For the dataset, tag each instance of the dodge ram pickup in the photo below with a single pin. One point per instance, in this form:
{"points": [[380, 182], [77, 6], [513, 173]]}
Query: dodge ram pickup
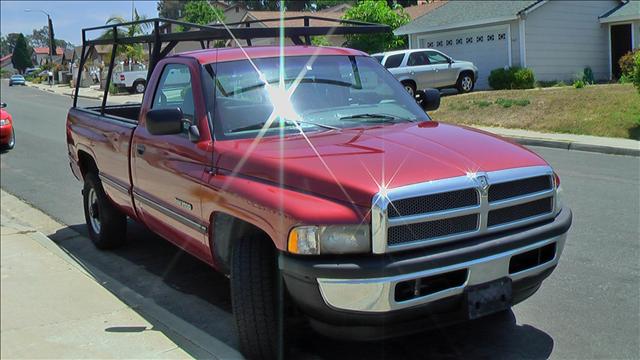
{"points": [[312, 170]]}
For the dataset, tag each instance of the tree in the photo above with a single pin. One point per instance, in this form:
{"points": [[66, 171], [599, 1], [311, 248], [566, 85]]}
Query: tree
{"points": [[171, 9], [21, 58], [201, 12], [8, 43], [132, 52], [377, 11], [39, 37]]}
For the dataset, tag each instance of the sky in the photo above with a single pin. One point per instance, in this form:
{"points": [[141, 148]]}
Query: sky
{"points": [[68, 17]]}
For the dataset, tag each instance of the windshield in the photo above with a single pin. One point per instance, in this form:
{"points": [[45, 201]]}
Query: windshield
{"points": [[319, 93], [17, 77]]}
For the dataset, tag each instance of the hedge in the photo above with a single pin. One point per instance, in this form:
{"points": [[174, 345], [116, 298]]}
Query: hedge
{"points": [[512, 78]]}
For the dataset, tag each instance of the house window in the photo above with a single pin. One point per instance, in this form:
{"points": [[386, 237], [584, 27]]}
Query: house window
{"points": [[502, 36], [491, 37], [449, 42], [439, 43], [430, 44], [469, 40], [479, 38], [458, 41]]}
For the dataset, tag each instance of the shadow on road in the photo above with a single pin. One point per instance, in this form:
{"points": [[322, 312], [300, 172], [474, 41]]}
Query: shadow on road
{"points": [[159, 272]]}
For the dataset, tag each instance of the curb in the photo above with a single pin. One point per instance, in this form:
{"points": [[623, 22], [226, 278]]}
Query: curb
{"points": [[570, 145]]}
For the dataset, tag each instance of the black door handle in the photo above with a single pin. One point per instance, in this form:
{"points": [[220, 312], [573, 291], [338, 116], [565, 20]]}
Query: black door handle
{"points": [[140, 149]]}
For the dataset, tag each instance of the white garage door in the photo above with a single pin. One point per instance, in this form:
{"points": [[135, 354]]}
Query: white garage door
{"points": [[487, 48]]}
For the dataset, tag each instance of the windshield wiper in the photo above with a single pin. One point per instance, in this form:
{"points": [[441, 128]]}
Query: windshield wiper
{"points": [[276, 123], [374, 117]]}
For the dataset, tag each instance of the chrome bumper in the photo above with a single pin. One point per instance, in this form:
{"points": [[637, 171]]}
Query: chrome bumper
{"points": [[376, 295]]}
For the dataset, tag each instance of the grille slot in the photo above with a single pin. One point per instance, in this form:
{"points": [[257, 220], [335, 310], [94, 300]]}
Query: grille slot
{"points": [[434, 202], [520, 212], [432, 229], [516, 188]]}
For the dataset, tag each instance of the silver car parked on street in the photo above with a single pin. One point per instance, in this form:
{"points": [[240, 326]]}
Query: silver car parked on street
{"points": [[419, 69]]}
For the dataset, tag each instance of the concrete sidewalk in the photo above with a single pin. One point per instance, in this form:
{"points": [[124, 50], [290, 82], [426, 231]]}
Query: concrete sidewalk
{"points": [[599, 144], [54, 307], [92, 92]]}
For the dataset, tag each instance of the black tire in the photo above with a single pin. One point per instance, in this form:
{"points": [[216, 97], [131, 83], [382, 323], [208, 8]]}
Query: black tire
{"points": [[254, 297], [139, 86], [12, 141], [410, 87], [465, 82], [112, 224]]}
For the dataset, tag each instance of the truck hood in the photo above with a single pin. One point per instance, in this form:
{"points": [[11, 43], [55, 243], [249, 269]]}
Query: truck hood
{"points": [[353, 164]]}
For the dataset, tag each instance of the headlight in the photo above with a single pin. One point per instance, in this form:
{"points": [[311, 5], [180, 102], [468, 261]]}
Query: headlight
{"points": [[4, 122], [333, 239]]}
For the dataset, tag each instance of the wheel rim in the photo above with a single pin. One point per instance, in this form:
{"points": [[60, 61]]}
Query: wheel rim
{"points": [[140, 88], [467, 83], [94, 211], [409, 89]]}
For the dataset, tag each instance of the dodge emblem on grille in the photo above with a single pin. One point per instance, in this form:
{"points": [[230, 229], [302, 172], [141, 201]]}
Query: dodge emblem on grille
{"points": [[483, 183]]}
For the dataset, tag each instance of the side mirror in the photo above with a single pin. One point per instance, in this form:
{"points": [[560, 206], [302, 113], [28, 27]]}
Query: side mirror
{"points": [[428, 99], [3, 105], [164, 121]]}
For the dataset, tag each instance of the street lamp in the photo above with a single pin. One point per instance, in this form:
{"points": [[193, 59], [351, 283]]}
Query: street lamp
{"points": [[50, 26]]}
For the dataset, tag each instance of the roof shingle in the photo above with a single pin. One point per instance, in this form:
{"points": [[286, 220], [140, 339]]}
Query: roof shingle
{"points": [[453, 13]]}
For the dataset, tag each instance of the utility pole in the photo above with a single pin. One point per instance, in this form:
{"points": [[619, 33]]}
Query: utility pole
{"points": [[52, 47]]}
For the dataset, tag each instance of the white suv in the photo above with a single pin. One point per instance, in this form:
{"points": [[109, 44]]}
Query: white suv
{"points": [[419, 69]]}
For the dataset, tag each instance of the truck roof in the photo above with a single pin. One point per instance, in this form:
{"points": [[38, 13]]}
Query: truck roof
{"points": [[208, 56]]}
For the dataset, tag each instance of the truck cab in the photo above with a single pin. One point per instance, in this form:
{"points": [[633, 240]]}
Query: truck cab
{"points": [[312, 178]]}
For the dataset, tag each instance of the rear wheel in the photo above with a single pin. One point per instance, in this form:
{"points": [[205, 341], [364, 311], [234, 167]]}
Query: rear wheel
{"points": [[410, 87], [139, 86], [106, 224], [465, 82], [253, 297]]}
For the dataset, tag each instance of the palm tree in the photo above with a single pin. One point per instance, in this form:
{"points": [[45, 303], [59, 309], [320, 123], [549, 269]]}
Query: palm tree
{"points": [[132, 52]]}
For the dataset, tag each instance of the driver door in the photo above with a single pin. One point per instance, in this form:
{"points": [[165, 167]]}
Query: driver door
{"points": [[167, 170]]}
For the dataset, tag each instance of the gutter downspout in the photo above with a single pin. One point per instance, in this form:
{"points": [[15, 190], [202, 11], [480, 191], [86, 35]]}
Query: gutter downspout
{"points": [[523, 48]]}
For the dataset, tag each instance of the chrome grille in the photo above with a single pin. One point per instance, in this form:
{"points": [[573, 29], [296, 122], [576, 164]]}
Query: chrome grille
{"points": [[511, 189], [453, 209], [435, 202], [432, 229], [520, 212]]}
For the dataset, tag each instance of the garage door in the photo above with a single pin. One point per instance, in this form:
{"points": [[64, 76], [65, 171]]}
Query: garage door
{"points": [[488, 49]]}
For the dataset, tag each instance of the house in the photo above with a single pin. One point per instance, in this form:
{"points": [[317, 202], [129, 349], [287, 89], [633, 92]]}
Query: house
{"points": [[41, 55], [557, 39], [7, 65]]}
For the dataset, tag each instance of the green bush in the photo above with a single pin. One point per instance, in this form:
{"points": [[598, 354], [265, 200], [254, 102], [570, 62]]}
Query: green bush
{"points": [[511, 78], [587, 76], [625, 79], [579, 84], [635, 74], [626, 62]]}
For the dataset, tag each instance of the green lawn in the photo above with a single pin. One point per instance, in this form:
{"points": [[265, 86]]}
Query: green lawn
{"points": [[601, 110]]}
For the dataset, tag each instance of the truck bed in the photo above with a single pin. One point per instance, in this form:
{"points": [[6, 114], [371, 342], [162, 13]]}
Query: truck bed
{"points": [[129, 112]]}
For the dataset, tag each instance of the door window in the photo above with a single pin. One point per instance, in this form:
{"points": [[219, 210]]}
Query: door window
{"points": [[393, 61], [437, 58], [174, 90], [418, 58]]}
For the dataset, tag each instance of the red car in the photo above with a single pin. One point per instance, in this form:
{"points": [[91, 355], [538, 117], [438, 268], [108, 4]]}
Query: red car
{"points": [[7, 133]]}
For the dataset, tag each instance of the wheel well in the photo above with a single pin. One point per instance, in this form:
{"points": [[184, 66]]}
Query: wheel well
{"points": [[86, 163], [410, 82], [468, 72], [140, 81], [225, 231]]}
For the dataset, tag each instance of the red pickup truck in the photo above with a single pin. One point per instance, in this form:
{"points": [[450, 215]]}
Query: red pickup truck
{"points": [[313, 165]]}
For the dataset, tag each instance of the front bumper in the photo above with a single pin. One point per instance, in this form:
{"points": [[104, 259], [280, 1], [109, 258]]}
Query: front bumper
{"points": [[356, 297]]}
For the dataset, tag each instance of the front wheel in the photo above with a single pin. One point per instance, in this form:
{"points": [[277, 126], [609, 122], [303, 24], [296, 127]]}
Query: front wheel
{"points": [[410, 87], [465, 83], [253, 296], [107, 225]]}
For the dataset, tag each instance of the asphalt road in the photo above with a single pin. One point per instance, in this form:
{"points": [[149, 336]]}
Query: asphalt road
{"points": [[588, 308]]}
